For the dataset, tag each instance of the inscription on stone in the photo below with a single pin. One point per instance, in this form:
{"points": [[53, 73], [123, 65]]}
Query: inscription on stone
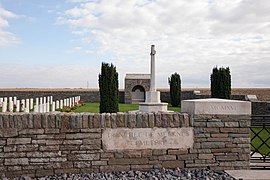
{"points": [[223, 107], [147, 138]]}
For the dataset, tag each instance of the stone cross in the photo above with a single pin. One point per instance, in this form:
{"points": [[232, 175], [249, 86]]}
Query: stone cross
{"points": [[153, 78]]}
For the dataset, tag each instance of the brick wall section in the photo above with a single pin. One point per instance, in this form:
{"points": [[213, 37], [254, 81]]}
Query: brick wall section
{"points": [[38, 144]]}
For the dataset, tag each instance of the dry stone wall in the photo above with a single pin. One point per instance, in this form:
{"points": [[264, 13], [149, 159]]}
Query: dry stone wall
{"points": [[38, 144]]}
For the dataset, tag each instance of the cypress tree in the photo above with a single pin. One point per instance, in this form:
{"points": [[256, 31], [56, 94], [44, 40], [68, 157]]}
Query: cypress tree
{"points": [[108, 89], [175, 89], [221, 83]]}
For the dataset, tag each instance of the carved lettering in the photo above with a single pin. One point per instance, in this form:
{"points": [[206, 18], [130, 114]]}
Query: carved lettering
{"points": [[147, 138]]}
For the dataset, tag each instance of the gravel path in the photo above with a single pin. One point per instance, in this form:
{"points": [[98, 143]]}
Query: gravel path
{"points": [[170, 174]]}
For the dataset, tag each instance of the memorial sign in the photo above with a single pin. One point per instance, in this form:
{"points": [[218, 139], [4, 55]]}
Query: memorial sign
{"points": [[147, 138]]}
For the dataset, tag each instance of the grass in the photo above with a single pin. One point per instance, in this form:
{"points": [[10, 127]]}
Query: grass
{"points": [[94, 108], [257, 142]]}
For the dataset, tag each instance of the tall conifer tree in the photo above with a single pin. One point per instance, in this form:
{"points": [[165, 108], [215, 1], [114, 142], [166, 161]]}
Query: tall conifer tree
{"points": [[108, 89], [175, 89], [221, 83]]}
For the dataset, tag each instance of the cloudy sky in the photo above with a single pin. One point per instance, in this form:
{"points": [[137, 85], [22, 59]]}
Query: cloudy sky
{"points": [[63, 43]]}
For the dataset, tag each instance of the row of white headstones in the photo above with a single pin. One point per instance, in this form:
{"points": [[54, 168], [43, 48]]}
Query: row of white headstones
{"points": [[42, 104]]}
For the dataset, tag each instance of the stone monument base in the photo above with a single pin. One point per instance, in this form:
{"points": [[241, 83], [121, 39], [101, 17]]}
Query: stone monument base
{"points": [[152, 97], [153, 107]]}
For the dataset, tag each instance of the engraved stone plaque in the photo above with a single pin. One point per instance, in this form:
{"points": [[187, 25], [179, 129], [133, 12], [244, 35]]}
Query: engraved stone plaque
{"points": [[216, 106], [147, 138]]}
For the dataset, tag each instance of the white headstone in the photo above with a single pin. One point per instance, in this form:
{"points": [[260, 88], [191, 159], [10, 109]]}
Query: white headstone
{"points": [[47, 107], [73, 101], [15, 100], [26, 109], [31, 103], [6, 99], [44, 100], [10, 106], [68, 102], [51, 99], [57, 105], [4, 106], [27, 104], [61, 104], [216, 106], [36, 108], [251, 98], [65, 102], [41, 108], [18, 106], [37, 101], [23, 105], [10, 99], [53, 106], [41, 100]]}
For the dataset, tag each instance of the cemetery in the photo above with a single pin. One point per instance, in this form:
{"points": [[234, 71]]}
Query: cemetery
{"points": [[210, 135]]}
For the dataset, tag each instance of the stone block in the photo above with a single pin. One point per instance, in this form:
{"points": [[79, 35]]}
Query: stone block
{"points": [[83, 136], [27, 148], [165, 119], [173, 164], [176, 120], [178, 151], [231, 124], [167, 157], [131, 123], [8, 132], [108, 120], [54, 142], [16, 161], [126, 161], [31, 131], [145, 122], [216, 106], [158, 121], [151, 120], [146, 153], [83, 157], [85, 120], [73, 142], [52, 131], [83, 164], [113, 120], [206, 156], [139, 120], [132, 154], [99, 163], [120, 119], [214, 124], [49, 148], [18, 141], [213, 145]]}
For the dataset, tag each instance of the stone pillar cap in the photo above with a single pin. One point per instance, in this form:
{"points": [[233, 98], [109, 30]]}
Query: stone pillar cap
{"points": [[216, 106]]}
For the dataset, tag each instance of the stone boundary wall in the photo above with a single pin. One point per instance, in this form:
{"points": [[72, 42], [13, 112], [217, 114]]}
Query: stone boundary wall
{"points": [[39, 144], [260, 107], [93, 95]]}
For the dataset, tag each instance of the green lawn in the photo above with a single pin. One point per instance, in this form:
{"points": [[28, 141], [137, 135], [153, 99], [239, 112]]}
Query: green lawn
{"points": [[94, 107], [257, 141]]}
